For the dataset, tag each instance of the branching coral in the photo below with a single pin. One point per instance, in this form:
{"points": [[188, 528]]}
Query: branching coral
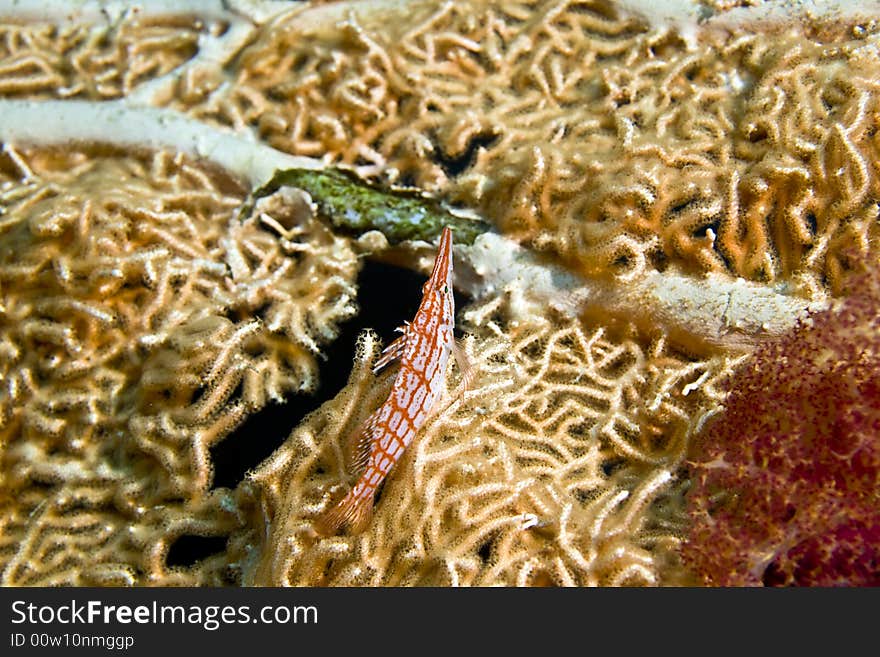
{"points": [[577, 127], [92, 61], [147, 309], [140, 323], [542, 473], [100, 49]]}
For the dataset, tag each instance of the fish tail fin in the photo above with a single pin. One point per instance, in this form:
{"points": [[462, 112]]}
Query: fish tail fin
{"points": [[351, 511]]}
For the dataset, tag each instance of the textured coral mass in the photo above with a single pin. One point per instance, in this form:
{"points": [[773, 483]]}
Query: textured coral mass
{"points": [[787, 478], [88, 61], [549, 471], [662, 194], [584, 129], [129, 345]]}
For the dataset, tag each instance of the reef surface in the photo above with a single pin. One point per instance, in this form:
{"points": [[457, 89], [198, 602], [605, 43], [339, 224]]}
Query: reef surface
{"points": [[650, 191]]}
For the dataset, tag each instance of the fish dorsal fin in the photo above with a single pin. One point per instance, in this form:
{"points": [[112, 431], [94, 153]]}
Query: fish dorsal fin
{"points": [[394, 350], [360, 444]]}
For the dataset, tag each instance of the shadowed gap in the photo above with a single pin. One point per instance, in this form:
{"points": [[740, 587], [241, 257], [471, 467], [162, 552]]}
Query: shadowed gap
{"points": [[387, 296], [187, 550], [456, 165]]}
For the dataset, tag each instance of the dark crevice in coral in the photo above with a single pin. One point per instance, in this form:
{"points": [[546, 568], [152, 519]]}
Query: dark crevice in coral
{"points": [[773, 576], [678, 208], [197, 394], [719, 250], [756, 134], [583, 496], [813, 223], [703, 231], [387, 296], [455, 165], [407, 180], [612, 465], [484, 552], [621, 262], [659, 260], [188, 550]]}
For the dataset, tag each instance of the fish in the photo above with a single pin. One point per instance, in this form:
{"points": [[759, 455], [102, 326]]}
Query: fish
{"points": [[423, 351]]}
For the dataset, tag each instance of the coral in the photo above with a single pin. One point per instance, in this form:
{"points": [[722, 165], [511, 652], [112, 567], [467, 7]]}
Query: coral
{"points": [[542, 473], [103, 49], [92, 61], [713, 310], [670, 184], [581, 128], [786, 479], [141, 322], [125, 125]]}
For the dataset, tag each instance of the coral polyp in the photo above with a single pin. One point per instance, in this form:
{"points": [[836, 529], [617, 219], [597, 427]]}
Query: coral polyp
{"points": [[787, 478]]}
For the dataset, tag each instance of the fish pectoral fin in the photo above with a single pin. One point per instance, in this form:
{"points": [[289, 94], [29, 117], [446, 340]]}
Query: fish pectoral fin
{"points": [[360, 444], [351, 511], [468, 372], [393, 351], [360, 516]]}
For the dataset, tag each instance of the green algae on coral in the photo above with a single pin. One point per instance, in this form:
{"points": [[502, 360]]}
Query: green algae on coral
{"points": [[355, 206]]}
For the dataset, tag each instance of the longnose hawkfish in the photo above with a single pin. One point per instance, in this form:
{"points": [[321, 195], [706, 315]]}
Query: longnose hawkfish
{"points": [[423, 351]]}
